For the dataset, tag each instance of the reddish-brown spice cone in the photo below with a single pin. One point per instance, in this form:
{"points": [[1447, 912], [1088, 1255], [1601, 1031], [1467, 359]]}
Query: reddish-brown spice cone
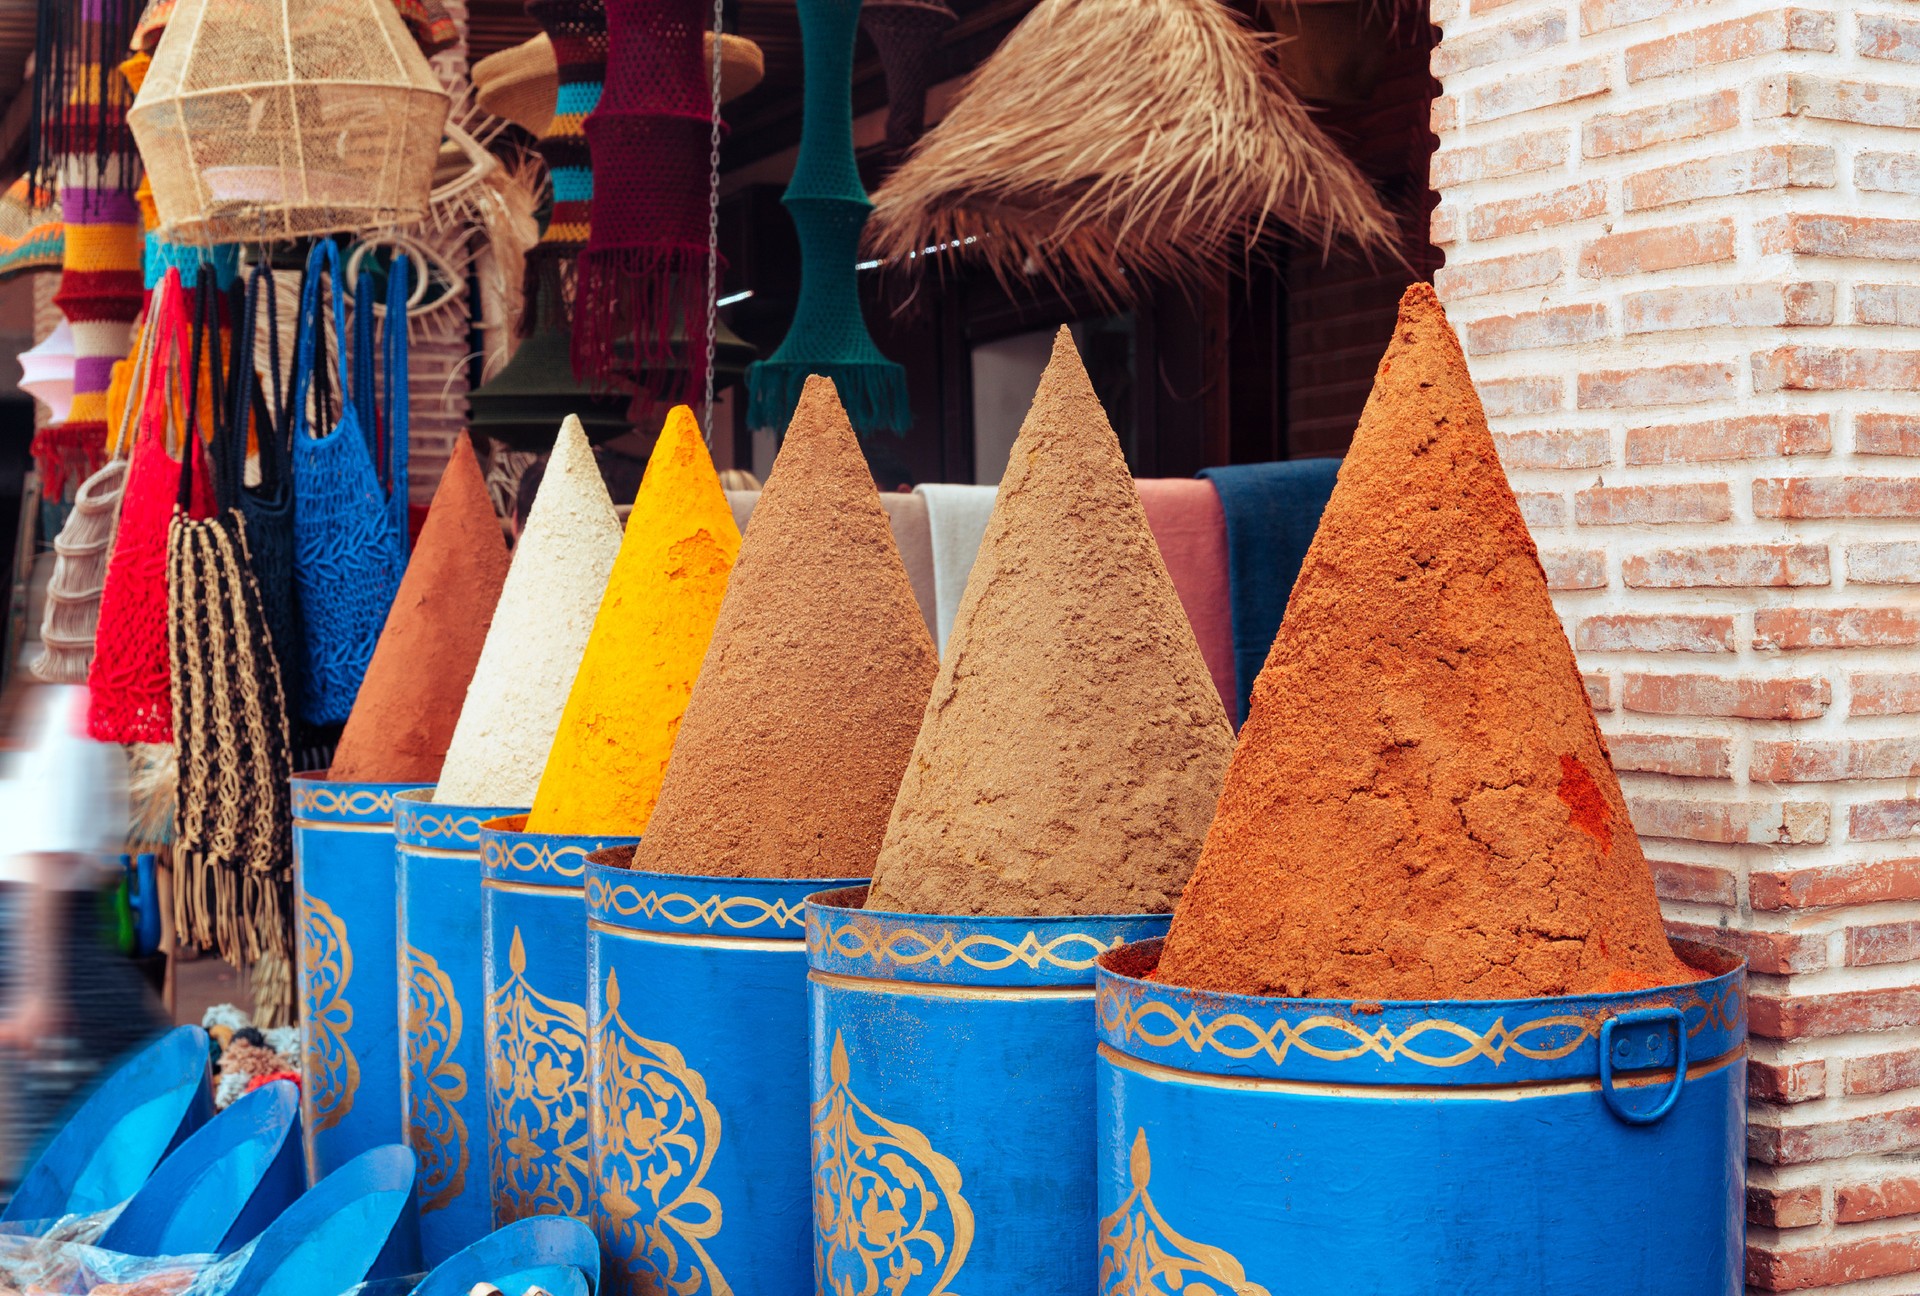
{"points": [[404, 715], [1420, 805], [812, 690]]}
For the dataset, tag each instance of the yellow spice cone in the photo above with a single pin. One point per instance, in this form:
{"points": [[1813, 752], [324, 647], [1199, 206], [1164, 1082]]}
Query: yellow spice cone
{"points": [[610, 754]]}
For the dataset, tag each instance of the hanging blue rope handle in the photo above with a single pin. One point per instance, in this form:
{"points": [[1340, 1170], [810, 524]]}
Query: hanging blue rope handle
{"points": [[395, 408], [325, 257]]}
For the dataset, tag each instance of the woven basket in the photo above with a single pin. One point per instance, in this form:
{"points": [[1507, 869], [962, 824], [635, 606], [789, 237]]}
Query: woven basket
{"points": [[287, 118]]}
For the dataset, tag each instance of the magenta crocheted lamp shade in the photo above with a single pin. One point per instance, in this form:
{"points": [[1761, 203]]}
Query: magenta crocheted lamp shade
{"points": [[645, 267]]}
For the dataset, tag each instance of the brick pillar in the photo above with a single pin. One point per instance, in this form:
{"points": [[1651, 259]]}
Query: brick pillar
{"points": [[1683, 254]]}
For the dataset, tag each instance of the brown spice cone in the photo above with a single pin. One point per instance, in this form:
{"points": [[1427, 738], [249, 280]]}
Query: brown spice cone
{"points": [[1074, 743], [404, 715], [800, 724], [1421, 805]]}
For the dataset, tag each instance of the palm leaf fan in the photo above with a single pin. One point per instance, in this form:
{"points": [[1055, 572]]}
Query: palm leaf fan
{"points": [[1110, 142]]}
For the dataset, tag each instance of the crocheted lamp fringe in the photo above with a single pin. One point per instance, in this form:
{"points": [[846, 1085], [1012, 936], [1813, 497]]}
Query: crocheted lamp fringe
{"points": [[874, 393], [650, 294]]}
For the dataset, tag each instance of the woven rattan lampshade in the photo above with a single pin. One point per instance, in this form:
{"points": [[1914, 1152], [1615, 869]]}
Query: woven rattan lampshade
{"points": [[287, 118]]}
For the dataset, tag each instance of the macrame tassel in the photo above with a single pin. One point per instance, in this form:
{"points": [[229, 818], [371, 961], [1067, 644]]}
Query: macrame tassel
{"points": [[80, 101], [875, 395], [646, 296]]}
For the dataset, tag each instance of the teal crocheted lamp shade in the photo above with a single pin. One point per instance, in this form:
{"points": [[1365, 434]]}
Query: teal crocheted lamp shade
{"points": [[829, 208]]}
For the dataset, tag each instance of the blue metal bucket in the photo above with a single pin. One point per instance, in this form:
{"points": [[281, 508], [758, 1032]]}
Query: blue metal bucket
{"points": [[953, 1083], [353, 1053], [1270, 1146], [439, 852], [699, 1012], [535, 982]]}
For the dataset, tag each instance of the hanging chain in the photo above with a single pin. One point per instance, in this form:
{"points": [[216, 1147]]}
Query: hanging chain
{"points": [[713, 219]]}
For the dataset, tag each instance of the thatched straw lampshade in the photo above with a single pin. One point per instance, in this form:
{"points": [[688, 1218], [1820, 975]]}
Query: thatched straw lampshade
{"points": [[287, 118], [1111, 142]]}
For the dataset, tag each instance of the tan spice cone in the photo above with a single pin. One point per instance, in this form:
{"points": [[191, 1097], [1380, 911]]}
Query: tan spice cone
{"points": [[805, 712], [1421, 805], [1074, 742], [408, 704]]}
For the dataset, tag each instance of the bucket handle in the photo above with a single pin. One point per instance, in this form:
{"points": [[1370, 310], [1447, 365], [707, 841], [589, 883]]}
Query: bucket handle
{"points": [[1612, 1095]]}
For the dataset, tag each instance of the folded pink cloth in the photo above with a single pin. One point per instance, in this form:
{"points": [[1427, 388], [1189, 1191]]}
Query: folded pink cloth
{"points": [[1187, 522]]}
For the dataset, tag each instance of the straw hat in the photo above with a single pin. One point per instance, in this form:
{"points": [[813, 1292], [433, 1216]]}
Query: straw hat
{"points": [[521, 82]]}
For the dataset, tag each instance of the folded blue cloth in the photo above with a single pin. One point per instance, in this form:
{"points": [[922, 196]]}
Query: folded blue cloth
{"points": [[1272, 512]]}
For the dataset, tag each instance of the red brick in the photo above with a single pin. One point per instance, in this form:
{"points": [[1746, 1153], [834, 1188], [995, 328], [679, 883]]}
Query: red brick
{"points": [[1885, 693], [1884, 820], [1573, 448], [1886, 434], [1894, 942], [1599, 15], [1824, 368], [1798, 1017], [1635, 505], [1758, 823], [1728, 42], [1896, 304], [1631, 633], [1681, 384], [1879, 1199], [1794, 305], [1443, 13], [1874, 1255], [1498, 274], [1831, 885], [1776, 166], [1758, 436], [1523, 92], [1675, 754], [1729, 567], [1599, 690], [1787, 1084], [1574, 569], [1884, 562], [1695, 884], [1793, 628], [1771, 953], [1512, 40], [1682, 119], [1537, 211], [1516, 155], [1444, 114], [1884, 36], [1502, 397], [1555, 326], [1744, 697], [1837, 497], [1542, 509], [1649, 251], [1886, 172], [1833, 760], [1865, 103], [1882, 1072], [1876, 1132], [1866, 238], [1781, 1207]]}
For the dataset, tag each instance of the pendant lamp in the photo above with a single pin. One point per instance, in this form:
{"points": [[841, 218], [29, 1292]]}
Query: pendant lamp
{"points": [[519, 83], [522, 405], [906, 33], [288, 118], [31, 234], [829, 207], [46, 372], [1108, 143]]}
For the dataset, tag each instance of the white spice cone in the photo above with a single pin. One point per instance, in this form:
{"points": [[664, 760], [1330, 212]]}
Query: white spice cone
{"points": [[540, 628]]}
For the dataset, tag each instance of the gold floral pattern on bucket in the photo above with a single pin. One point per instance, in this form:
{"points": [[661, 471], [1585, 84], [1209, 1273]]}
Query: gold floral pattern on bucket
{"points": [[1141, 1255], [739, 912], [656, 1133], [906, 947], [326, 959], [435, 1082], [888, 1214], [537, 1099]]}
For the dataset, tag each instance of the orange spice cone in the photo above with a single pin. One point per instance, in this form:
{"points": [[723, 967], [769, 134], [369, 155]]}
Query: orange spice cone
{"points": [[604, 771], [806, 709], [408, 704], [1074, 744], [1421, 805]]}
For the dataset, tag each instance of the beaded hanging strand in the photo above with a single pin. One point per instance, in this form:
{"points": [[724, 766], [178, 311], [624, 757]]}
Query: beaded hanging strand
{"points": [[713, 224]]}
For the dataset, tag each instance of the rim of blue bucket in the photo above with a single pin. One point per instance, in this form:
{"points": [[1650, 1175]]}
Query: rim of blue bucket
{"points": [[844, 939], [538, 1242], [1478, 1042], [421, 824], [318, 799], [509, 853], [741, 907]]}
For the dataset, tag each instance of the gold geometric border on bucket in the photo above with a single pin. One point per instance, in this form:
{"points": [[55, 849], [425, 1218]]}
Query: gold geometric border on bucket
{"points": [[737, 912], [905, 947], [499, 856], [878, 1191], [1142, 1255], [342, 803]]}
